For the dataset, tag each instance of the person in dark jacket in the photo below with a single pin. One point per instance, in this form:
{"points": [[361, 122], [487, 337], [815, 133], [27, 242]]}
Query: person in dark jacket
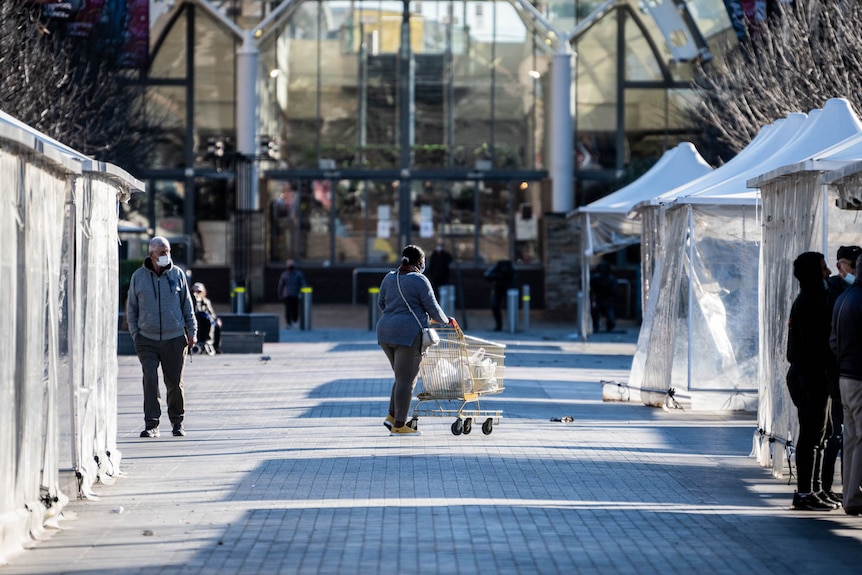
{"points": [[811, 363], [163, 326], [502, 277], [846, 274], [290, 283], [603, 296], [438, 267], [846, 342]]}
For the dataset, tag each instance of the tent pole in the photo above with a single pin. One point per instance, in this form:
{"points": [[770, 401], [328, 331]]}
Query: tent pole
{"points": [[690, 292]]}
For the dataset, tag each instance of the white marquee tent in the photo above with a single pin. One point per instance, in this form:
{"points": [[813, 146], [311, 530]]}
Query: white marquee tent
{"points": [[699, 334], [609, 223], [800, 214]]}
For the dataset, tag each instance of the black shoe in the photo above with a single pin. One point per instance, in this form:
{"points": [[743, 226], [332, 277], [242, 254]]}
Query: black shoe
{"points": [[821, 495], [853, 511], [151, 432], [831, 496], [179, 430], [810, 503]]}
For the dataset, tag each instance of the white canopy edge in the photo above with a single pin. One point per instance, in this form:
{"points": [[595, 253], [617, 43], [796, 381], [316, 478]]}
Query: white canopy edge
{"points": [[823, 146], [676, 167]]}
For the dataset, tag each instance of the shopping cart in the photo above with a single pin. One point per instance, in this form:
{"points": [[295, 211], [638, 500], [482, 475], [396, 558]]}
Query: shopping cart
{"points": [[461, 369]]}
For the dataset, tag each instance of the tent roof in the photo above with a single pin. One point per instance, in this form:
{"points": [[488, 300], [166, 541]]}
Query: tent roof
{"points": [[769, 138], [676, 167], [836, 134]]}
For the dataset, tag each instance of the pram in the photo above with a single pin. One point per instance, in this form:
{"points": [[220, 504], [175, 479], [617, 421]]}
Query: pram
{"points": [[460, 368]]}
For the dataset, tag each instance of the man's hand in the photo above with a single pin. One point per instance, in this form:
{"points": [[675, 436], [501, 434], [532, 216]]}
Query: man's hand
{"points": [[192, 341], [453, 322]]}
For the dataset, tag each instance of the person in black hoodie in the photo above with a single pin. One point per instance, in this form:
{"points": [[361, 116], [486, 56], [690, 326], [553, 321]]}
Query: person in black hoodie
{"points": [[811, 364], [846, 342]]}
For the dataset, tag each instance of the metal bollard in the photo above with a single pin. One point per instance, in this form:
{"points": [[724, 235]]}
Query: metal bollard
{"points": [[237, 297], [512, 309], [525, 303], [305, 320], [447, 299], [373, 308]]}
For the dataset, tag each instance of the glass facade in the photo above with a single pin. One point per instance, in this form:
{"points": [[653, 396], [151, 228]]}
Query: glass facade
{"points": [[364, 144]]}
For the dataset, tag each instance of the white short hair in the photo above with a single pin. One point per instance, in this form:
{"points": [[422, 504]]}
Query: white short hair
{"points": [[158, 242]]}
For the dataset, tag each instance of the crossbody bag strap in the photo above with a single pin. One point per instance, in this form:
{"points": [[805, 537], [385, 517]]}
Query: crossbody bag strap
{"points": [[398, 283]]}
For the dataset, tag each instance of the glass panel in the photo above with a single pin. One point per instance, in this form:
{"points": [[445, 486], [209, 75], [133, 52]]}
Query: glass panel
{"points": [[460, 231], [596, 97], [495, 201], [350, 221], [283, 221], [170, 61], [214, 202], [640, 62], [166, 108], [382, 198], [527, 208], [214, 80]]}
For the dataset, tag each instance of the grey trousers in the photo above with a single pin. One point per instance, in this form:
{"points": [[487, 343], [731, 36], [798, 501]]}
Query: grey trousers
{"points": [[405, 365], [851, 395], [171, 354]]}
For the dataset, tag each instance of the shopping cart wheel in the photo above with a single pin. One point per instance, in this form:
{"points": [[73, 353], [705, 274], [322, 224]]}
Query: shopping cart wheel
{"points": [[468, 425], [413, 423], [488, 426], [458, 427]]}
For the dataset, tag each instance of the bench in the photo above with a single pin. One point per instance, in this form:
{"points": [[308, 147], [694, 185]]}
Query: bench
{"points": [[265, 323]]}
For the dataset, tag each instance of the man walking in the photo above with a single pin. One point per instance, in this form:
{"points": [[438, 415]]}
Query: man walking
{"points": [[163, 326]]}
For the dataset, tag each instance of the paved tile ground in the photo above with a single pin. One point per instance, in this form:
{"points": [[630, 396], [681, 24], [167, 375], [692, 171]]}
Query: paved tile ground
{"points": [[287, 469]]}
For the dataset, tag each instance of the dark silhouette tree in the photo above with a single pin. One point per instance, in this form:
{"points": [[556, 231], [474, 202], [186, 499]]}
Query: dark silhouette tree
{"points": [[74, 90], [810, 51]]}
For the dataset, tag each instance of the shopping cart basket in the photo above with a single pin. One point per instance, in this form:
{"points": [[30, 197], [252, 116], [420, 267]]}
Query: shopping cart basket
{"points": [[461, 369]]}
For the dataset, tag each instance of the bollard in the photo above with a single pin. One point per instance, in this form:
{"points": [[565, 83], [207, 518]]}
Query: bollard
{"points": [[373, 308], [512, 309], [525, 303], [447, 299], [237, 297], [305, 320]]}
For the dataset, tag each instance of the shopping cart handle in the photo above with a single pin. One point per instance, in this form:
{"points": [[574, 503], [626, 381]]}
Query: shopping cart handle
{"points": [[453, 322]]}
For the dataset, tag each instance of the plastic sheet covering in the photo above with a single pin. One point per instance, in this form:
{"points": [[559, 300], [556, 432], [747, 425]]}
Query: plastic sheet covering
{"points": [[699, 335], [799, 215], [58, 371], [13, 516], [96, 388]]}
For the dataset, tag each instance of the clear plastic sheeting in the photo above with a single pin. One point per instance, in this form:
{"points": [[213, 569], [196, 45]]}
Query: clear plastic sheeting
{"points": [[610, 222], [699, 334], [799, 215], [58, 276]]}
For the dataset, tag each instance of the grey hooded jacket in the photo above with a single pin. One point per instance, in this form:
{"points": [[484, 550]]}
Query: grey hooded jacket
{"points": [[160, 306]]}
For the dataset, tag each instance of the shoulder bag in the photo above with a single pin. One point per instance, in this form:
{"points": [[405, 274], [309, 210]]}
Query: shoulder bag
{"points": [[429, 334]]}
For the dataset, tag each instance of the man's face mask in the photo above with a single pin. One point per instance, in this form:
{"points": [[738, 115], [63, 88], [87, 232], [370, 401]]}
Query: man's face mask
{"points": [[164, 261], [850, 278]]}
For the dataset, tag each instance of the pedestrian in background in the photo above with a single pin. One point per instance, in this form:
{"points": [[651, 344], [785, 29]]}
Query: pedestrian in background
{"points": [[407, 303], [290, 285], [603, 296], [438, 267], [162, 324], [811, 363], [209, 324], [846, 341], [502, 278]]}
